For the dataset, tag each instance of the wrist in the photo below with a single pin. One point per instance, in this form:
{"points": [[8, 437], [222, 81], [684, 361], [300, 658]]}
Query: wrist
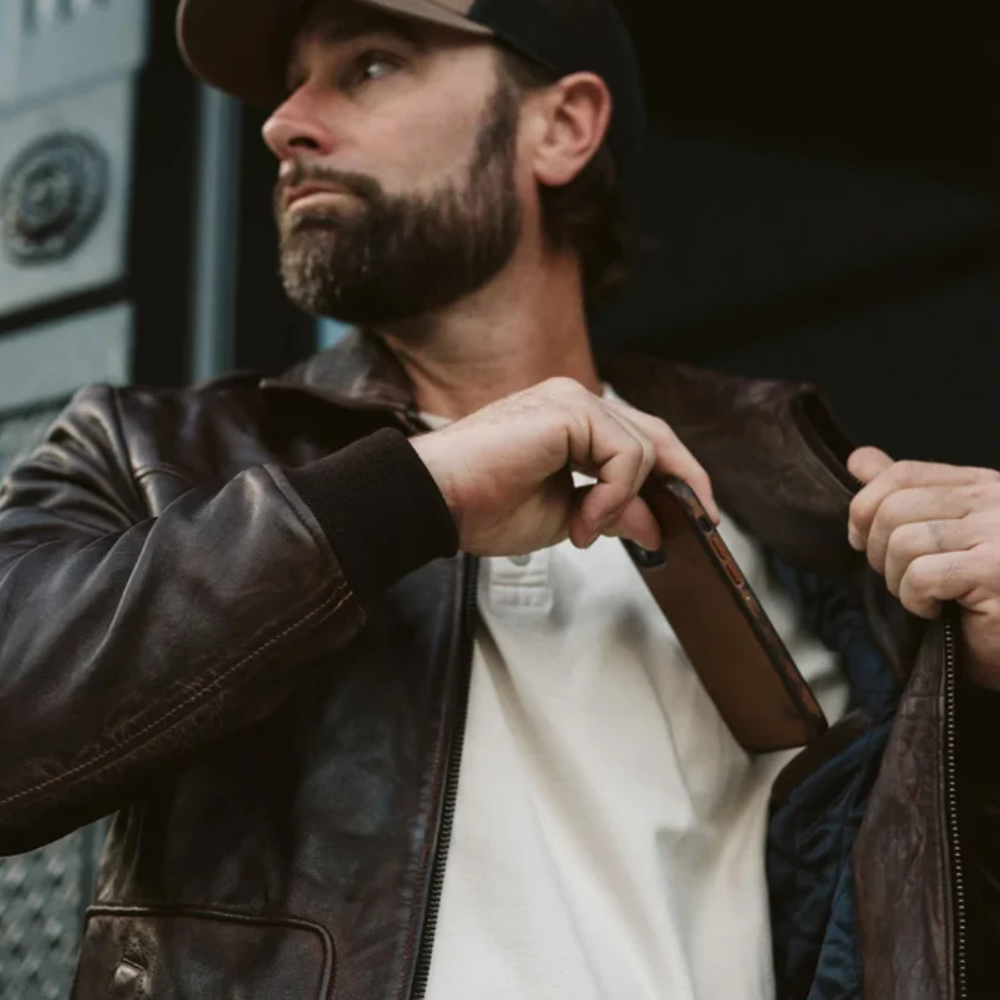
{"points": [[430, 452], [378, 507]]}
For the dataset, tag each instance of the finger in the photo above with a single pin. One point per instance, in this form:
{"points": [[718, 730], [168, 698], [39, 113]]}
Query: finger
{"points": [[927, 504], [672, 455], [617, 455], [914, 541], [649, 448], [907, 475], [866, 463], [638, 524], [946, 576]]}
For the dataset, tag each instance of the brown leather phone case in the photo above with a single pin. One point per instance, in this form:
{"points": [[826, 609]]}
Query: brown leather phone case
{"points": [[722, 627]]}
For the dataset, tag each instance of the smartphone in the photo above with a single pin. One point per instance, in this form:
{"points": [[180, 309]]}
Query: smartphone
{"points": [[722, 627]]}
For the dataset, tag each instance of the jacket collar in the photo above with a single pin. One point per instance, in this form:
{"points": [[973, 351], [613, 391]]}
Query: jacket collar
{"points": [[359, 373], [773, 450]]}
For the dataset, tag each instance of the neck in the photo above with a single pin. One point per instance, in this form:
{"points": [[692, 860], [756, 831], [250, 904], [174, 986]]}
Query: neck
{"points": [[528, 325]]}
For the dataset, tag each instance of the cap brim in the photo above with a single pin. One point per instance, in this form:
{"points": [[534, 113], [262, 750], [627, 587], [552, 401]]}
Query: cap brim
{"points": [[241, 46]]}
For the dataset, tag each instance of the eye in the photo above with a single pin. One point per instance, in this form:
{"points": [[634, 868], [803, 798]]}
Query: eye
{"points": [[370, 67]]}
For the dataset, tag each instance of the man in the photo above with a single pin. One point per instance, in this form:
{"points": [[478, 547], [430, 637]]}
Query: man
{"points": [[346, 761]]}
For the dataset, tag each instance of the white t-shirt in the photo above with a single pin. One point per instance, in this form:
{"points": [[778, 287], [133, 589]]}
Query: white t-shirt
{"points": [[608, 842]]}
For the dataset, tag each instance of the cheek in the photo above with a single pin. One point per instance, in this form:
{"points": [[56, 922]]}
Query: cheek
{"points": [[419, 150]]}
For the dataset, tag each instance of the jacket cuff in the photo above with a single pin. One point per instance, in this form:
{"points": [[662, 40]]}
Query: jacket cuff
{"points": [[380, 508]]}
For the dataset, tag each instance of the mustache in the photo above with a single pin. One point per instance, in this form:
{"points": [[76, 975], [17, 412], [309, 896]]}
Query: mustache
{"points": [[357, 184]]}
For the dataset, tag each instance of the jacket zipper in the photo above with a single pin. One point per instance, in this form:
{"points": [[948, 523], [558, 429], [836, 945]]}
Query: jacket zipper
{"points": [[423, 968], [951, 791], [950, 615]]}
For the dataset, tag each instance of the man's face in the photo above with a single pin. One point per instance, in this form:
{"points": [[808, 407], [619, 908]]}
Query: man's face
{"points": [[408, 140]]}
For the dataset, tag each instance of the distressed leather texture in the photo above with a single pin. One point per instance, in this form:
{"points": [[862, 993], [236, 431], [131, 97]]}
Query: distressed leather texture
{"points": [[180, 647], [905, 831]]}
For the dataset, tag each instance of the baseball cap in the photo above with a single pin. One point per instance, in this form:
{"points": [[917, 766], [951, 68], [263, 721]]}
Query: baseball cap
{"points": [[241, 46]]}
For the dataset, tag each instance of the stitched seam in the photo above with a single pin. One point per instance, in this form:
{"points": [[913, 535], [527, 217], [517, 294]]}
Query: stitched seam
{"points": [[195, 697], [229, 916]]}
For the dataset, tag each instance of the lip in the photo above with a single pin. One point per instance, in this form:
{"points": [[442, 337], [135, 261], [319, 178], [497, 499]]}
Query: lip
{"points": [[308, 191]]}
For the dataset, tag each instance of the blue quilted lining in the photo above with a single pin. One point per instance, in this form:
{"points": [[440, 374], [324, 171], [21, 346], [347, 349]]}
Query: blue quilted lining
{"points": [[813, 830]]}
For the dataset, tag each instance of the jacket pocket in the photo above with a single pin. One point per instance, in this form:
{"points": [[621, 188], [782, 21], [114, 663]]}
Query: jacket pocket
{"points": [[139, 953]]}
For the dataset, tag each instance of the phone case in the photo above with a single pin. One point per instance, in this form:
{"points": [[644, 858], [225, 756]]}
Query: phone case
{"points": [[722, 627]]}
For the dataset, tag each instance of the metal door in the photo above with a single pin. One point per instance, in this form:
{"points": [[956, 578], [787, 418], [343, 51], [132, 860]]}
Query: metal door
{"points": [[67, 100]]}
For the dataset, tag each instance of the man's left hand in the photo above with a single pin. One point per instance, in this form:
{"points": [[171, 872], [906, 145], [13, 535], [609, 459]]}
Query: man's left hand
{"points": [[933, 532]]}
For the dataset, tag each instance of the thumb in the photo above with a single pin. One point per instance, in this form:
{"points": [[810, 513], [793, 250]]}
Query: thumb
{"points": [[638, 524], [867, 463]]}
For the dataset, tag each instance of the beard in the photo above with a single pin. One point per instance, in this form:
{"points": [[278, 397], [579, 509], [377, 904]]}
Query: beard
{"points": [[383, 259]]}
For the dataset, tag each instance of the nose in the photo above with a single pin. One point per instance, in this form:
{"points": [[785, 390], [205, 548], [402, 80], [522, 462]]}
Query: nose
{"points": [[295, 127]]}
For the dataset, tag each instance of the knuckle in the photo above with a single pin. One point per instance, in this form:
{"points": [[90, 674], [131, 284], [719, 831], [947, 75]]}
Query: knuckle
{"points": [[902, 543], [915, 583], [907, 471], [921, 577], [860, 508], [561, 385], [975, 494], [982, 567], [662, 428], [892, 510], [984, 494]]}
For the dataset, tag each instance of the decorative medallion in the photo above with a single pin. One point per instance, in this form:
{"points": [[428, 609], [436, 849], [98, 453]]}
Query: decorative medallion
{"points": [[51, 197]]}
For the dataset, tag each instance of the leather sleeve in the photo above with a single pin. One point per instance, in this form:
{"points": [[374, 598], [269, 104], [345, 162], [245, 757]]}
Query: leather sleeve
{"points": [[128, 641], [979, 829]]}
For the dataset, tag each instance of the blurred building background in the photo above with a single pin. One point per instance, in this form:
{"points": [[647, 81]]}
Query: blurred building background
{"points": [[819, 198]]}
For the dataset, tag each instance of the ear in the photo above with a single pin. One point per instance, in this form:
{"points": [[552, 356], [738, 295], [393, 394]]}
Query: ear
{"points": [[576, 115]]}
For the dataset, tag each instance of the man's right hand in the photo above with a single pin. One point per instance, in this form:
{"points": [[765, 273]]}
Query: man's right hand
{"points": [[506, 470]]}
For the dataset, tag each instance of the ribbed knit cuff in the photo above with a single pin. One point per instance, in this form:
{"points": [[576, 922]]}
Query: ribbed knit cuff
{"points": [[380, 508]]}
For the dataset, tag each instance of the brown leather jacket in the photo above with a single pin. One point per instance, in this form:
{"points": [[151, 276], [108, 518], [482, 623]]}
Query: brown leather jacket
{"points": [[181, 644]]}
